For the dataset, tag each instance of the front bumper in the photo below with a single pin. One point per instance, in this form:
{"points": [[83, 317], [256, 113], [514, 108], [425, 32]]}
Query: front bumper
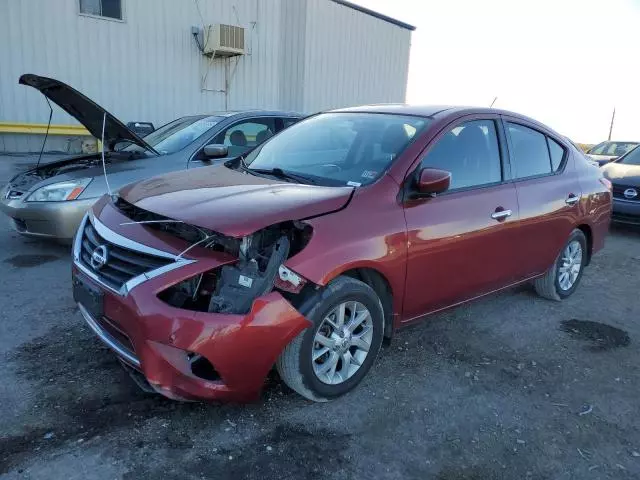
{"points": [[57, 220], [626, 211], [158, 340]]}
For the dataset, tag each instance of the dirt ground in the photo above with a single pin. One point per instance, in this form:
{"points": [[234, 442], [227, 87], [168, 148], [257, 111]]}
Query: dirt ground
{"points": [[511, 386]]}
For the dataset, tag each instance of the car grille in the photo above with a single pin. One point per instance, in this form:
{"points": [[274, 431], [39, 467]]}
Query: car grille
{"points": [[618, 192], [121, 264]]}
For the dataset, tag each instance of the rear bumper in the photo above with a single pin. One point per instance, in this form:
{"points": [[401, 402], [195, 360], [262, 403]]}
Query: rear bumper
{"points": [[57, 220], [626, 211], [159, 340]]}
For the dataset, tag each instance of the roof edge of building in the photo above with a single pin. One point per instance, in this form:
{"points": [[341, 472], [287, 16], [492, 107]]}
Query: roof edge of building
{"points": [[375, 14]]}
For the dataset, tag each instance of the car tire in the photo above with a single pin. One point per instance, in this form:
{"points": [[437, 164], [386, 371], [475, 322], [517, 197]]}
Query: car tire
{"points": [[303, 372], [554, 285]]}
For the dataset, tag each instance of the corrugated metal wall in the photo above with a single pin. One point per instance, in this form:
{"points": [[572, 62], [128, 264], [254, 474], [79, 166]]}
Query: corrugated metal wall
{"points": [[302, 55], [352, 58]]}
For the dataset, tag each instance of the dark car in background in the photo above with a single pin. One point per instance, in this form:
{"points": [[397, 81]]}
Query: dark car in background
{"points": [[624, 174], [50, 200], [608, 151], [325, 239]]}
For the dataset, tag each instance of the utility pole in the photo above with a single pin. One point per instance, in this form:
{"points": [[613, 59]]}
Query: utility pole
{"points": [[613, 116]]}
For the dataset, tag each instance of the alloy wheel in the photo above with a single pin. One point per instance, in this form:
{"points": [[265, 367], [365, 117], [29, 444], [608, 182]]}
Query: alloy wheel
{"points": [[570, 265], [342, 342]]}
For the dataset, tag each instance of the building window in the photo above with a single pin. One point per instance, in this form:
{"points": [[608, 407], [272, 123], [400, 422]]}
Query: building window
{"points": [[102, 8]]}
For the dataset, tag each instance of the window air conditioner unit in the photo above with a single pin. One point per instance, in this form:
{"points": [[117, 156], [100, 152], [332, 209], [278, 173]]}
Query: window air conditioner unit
{"points": [[224, 40]]}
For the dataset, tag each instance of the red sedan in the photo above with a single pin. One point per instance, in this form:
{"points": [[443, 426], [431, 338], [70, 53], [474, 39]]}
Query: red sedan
{"points": [[330, 236]]}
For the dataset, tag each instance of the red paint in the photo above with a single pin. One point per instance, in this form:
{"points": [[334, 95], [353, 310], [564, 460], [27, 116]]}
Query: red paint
{"points": [[433, 252]]}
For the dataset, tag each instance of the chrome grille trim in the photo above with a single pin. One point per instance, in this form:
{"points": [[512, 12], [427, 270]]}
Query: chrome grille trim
{"points": [[123, 242]]}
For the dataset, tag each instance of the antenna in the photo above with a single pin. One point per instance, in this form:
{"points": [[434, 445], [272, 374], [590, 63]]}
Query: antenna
{"points": [[104, 165], [46, 133], [613, 116], [494, 101]]}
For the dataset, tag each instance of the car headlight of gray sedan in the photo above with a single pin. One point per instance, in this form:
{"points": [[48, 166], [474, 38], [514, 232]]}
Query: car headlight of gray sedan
{"points": [[60, 192]]}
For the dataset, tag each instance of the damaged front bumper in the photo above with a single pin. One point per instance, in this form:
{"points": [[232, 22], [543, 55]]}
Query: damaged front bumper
{"points": [[187, 354]]}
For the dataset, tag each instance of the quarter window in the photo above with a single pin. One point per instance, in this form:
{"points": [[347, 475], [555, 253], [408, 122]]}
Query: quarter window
{"points": [[557, 153], [530, 153], [102, 8], [470, 152]]}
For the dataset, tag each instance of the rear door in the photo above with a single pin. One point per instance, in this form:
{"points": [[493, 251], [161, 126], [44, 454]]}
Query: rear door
{"points": [[548, 194], [461, 242]]}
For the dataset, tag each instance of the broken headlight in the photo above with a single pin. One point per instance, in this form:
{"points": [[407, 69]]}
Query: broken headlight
{"points": [[260, 269]]}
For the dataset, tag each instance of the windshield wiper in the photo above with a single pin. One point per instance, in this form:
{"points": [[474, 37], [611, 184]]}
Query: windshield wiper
{"points": [[280, 173]]}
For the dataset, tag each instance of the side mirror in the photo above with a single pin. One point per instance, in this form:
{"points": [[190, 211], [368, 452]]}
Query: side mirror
{"points": [[432, 181], [216, 151]]}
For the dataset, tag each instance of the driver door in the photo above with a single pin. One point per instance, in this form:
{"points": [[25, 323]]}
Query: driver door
{"points": [[462, 242]]}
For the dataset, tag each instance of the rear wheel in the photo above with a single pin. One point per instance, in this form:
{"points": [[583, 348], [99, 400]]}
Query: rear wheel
{"points": [[333, 356], [562, 279]]}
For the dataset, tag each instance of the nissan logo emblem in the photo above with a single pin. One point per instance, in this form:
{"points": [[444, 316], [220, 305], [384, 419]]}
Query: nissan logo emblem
{"points": [[630, 193], [99, 257]]}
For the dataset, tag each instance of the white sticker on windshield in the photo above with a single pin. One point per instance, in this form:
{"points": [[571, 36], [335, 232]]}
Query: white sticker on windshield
{"points": [[354, 184]]}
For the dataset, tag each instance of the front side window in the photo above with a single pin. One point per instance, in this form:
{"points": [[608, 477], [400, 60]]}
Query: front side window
{"points": [[339, 148], [470, 153], [289, 121], [530, 154], [243, 136], [176, 135], [102, 8]]}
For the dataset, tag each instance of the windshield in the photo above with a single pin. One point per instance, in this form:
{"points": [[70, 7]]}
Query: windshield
{"points": [[339, 148], [632, 158], [616, 149], [178, 134]]}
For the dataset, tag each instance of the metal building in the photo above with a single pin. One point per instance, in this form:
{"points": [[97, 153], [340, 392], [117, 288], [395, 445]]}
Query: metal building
{"points": [[156, 60]]}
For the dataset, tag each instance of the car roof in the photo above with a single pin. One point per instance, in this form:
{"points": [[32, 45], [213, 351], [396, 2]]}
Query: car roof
{"points": [[431, 111], [248, 113]]}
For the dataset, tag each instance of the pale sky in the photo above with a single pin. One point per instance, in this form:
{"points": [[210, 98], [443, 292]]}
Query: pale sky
{"points": [[566, 63]]}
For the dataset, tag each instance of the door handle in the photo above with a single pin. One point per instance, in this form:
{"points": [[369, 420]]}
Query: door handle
{"points": [[572, 199], [501, 214]]}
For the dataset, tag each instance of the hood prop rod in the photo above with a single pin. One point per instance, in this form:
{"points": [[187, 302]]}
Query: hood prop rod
{"points": [[104, 164], [46, 134]]}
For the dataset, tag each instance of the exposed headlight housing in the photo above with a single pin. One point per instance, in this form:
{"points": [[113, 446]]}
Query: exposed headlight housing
{"points": [[60, 192]]}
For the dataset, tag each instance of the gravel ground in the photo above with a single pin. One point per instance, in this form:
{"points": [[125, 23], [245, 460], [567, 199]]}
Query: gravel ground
{"points": [[511, 386]]}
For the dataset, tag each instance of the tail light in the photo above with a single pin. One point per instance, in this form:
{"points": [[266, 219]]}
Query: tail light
{"points": [[607, 183]]}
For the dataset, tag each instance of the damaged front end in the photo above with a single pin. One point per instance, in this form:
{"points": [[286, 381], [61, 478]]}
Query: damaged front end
{"points": [[232, 288]]}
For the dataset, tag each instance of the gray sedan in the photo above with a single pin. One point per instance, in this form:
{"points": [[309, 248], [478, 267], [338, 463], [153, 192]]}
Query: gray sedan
{"points": [[50, 201]]}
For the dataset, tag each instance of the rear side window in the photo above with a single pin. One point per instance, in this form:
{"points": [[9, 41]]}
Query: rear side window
{"points": [[530, 154], [470, 153], [557, 153]]}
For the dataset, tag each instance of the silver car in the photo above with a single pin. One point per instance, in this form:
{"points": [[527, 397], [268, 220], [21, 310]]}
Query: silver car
{"points": [[50, 201]]}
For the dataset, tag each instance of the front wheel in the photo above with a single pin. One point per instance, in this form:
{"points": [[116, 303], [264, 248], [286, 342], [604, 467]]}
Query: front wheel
{"points": [[562, 279], [333, 356]]}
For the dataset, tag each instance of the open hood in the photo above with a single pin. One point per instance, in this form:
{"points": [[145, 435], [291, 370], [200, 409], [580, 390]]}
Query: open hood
{"points": [[230, 202], [83, 109]]}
